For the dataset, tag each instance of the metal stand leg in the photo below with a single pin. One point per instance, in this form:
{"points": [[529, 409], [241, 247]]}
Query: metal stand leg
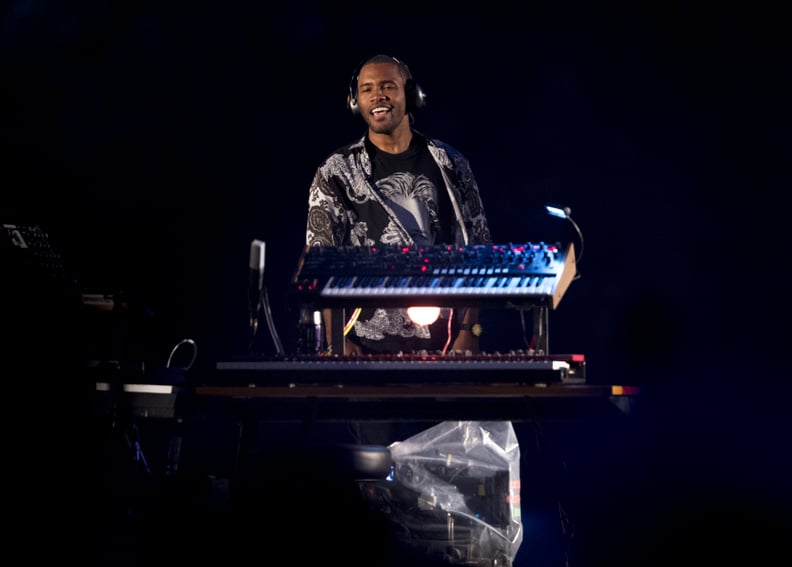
{"points": [[541, 321], [337, 331]]}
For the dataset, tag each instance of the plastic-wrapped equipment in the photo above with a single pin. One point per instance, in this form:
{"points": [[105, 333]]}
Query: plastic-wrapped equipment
{"points": [[454, 493]]}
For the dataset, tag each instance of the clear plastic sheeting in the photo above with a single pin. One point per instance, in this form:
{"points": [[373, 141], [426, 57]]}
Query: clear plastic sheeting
{"points": [[454, 493]]}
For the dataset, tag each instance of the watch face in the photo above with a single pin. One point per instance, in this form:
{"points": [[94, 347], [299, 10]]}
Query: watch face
{"points": [[476, 329]]}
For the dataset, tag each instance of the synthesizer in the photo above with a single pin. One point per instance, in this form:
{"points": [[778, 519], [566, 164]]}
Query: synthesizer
{"points": [[531, 274], [417, 368]]}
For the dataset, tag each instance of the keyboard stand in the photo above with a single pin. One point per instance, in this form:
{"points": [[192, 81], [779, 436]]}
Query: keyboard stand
{"points": [[540, 340], [338, 341], [541, 322]]}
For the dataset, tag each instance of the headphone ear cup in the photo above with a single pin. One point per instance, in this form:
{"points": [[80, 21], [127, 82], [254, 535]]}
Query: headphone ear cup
{"points": [[352, 103], [414, 95]]}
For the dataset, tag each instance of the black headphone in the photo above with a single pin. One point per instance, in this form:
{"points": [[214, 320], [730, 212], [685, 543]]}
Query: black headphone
{"points": [[413, 92]]}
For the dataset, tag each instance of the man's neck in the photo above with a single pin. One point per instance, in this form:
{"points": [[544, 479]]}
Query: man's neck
{"points": [[396, 142]]}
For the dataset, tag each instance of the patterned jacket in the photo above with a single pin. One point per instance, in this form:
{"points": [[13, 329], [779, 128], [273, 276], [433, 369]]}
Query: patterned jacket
{"points": [[345, 209]]}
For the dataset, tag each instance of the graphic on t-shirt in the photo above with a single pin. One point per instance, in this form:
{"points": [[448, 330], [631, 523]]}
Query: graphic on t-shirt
{"points": [[413, 200]]}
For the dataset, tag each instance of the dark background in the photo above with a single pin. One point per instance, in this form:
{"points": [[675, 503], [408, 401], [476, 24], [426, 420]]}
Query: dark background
{"points": [[153, 141]]}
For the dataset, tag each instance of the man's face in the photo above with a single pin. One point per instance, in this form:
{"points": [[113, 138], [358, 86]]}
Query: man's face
{"points": [[381, 96]]}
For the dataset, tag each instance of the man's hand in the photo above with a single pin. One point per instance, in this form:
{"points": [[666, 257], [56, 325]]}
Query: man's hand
{"points": [[352, 349], [466, 341]]}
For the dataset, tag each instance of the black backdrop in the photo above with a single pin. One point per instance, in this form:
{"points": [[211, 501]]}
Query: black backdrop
{"points": [[154, 141]]}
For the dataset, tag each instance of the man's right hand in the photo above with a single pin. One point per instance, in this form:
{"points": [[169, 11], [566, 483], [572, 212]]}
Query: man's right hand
{"points": [[352, 349]]}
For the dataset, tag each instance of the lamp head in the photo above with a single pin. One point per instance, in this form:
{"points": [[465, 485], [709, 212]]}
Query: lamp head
{"points": [[566, 213], [560, 212]]}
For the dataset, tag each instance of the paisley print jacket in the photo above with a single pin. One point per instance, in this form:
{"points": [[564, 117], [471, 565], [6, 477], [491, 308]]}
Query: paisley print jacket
{"points": [[345, 208]]}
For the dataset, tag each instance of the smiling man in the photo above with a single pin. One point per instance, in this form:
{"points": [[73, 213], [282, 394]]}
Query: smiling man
{"points": [[396, 186]]}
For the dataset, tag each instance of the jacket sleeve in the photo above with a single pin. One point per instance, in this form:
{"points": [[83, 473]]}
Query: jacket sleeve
{"points": [[326, 219], [473, 208]]}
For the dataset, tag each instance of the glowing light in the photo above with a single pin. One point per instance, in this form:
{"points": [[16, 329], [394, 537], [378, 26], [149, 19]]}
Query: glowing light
{"points": [[560, 212], [624, 390], [423, 315]]}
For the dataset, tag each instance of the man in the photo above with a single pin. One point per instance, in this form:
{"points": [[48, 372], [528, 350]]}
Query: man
{"points": [[395, 186], [392, 186]]}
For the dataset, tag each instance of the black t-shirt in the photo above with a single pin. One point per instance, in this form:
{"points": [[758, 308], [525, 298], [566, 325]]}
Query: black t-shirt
{"points": [[413, 186]]}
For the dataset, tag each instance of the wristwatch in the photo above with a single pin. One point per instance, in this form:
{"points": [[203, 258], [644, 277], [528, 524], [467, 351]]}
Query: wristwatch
{"points": [[474, 328]]}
